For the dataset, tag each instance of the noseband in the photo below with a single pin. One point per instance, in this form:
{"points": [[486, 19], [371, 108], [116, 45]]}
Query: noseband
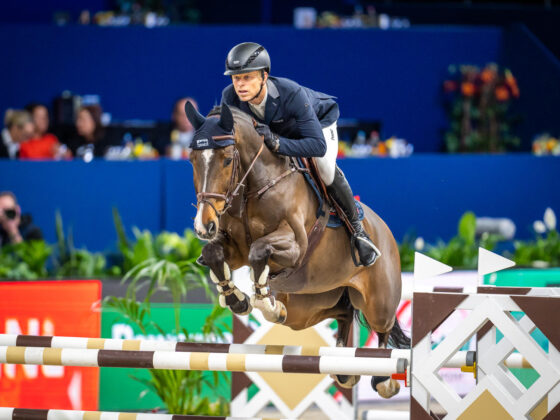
{"points": [[233, 188]]}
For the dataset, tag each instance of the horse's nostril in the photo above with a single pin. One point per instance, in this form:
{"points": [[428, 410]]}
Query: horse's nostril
{"points": [[211, 228]]}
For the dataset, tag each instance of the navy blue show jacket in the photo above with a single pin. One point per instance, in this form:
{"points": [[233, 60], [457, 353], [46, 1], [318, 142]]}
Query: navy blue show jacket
{"points": [[295, 113]]}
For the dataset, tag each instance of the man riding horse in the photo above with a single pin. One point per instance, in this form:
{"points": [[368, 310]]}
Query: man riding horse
{"points": [[294, 121], [255, 209]]}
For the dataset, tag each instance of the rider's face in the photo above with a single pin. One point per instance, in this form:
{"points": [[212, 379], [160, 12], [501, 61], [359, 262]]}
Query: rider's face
{"points": [[247, 85]]}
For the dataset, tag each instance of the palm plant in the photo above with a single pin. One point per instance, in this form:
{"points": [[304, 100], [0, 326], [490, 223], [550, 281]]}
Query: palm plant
{"points": [[168, 263]]}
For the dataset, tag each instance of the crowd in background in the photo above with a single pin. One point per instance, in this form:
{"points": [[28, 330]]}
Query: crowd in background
{"points": [[28, 134]]}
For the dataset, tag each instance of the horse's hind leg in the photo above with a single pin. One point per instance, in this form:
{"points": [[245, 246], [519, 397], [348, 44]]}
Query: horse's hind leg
{"points": [[220, 273], [380, 316], [344, 321], [384, 385]]}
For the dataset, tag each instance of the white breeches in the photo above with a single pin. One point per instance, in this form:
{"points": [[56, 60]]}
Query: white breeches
{"points": [[327, 163]]}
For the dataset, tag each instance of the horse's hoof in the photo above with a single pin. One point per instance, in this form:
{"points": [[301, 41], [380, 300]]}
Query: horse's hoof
{"points": [[273, 310], [200, 261], [241, 307], [282, 313], [346, 381], [385, 386]]}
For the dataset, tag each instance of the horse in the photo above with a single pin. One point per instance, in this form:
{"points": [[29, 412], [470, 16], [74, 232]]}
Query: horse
{"points": [[255, 209]]}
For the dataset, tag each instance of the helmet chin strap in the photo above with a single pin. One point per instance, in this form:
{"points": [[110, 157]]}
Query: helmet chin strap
{"points": [[260, 90]]}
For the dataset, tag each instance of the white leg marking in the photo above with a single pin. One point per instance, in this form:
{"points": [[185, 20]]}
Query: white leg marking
{"points": [[263, 279]]}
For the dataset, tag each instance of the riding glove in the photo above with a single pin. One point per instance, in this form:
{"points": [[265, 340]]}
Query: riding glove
{"points": [[270, 139]]}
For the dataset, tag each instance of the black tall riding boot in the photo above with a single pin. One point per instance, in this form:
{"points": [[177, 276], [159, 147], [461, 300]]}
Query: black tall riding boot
{"points": [[341, 192]]}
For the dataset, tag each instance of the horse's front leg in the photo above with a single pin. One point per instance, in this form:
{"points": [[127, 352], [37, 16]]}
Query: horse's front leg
{"points": [[213, 256], [281, 247]]}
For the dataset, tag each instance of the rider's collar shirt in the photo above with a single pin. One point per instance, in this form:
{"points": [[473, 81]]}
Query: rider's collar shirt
{"points": [[259, 109]]}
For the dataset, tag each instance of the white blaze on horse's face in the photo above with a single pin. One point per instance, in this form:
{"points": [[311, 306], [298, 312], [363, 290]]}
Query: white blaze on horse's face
{"points": [[212, 173], [199, 227]]}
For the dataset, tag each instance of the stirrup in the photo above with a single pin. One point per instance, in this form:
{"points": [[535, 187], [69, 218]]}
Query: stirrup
{"points": [[363, 237]]}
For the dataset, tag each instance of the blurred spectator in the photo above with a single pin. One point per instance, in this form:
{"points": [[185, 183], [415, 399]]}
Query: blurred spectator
{"points": [[43, 145], [179, 133], [91, 136], [14, 226], [18, 128]]}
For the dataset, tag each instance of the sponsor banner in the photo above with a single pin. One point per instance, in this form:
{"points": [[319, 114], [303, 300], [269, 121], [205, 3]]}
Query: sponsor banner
{"points": [[63, 308], [122, 389]]}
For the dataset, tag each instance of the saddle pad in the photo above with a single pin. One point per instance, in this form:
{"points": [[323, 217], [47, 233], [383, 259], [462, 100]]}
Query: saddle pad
{"points": [[334, 220]]}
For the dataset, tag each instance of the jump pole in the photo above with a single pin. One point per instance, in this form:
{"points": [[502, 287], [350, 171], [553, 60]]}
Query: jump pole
{"points": [[8, 413], [329, 365], [460, 359]]}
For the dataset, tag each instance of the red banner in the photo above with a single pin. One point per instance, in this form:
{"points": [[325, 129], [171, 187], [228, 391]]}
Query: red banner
{"points": [[65, 308]]}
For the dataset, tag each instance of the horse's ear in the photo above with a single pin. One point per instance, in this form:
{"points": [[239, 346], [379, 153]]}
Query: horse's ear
{"points": [[226, 118], [195, 117]]}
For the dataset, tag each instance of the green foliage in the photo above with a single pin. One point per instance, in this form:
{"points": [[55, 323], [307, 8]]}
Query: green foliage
{"points": [[29, 260], [167, 262], [181, 389], [406, 251], [543, 251], [171, 266], [72, 262], [162, 275], [467, 228], [167, 245], [460, 252], [134, 311], [25, 260]]}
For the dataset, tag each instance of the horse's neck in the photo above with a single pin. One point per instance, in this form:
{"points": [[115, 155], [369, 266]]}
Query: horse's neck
{"points": [[266, 167], [270, 167]]}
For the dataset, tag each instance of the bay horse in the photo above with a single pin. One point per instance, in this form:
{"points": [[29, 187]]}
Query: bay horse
{"points": [[254, 209]]}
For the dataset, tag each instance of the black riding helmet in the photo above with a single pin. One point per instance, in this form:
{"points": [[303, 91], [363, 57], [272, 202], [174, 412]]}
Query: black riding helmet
{"points": [[247, 57]]}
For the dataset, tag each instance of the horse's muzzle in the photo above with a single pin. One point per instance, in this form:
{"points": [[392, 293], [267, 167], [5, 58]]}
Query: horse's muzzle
{"points": [[209, 231]]}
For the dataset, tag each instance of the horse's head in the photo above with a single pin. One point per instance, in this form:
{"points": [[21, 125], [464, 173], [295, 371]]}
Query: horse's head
{"points": [[215, 163]]}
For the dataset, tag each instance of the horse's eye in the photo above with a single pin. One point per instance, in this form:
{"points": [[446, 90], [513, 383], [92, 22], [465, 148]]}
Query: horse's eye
{"points": [[227, 162]]}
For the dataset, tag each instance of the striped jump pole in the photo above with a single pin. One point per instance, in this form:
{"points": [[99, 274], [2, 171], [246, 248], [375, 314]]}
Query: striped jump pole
{"points": [[179, 346], [7, 413], [329, 365], [460, 359]]}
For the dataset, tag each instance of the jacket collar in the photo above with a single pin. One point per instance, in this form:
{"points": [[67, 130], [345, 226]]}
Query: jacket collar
{"points": [[272, 102]]}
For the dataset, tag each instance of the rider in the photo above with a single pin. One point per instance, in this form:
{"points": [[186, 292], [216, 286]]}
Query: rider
{"points": [[294, 121]]}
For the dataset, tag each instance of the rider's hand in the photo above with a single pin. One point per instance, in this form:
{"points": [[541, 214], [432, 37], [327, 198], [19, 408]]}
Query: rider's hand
{"points": [[270, 139]]}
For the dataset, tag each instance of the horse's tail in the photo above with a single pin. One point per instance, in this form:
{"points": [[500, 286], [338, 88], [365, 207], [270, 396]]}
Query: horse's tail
{"points": [[397, 338]]}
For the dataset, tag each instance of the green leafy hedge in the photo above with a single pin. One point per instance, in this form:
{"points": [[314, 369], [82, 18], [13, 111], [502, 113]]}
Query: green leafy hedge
{"points": [[30, 260], [36, 259], [462, 250]]}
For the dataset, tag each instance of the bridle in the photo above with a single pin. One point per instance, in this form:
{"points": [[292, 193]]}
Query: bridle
{"points": [[233, 188]]}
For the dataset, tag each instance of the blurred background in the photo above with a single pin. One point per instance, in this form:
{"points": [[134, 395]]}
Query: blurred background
{"points": [[449, 122], [435, 80]]}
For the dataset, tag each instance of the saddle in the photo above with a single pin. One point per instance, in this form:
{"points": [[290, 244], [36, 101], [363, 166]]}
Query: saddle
{"points": [[329, 213], [336, 216]]}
